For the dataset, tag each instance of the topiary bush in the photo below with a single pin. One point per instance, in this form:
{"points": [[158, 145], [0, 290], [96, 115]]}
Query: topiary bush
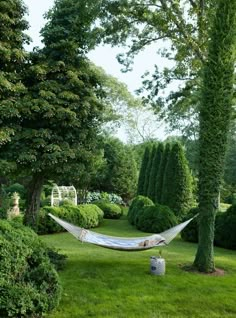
{"points": [[225, 225], [156, 219], [110, 210], [190, 232], [83, 215], [136, 207], [29, 284]]}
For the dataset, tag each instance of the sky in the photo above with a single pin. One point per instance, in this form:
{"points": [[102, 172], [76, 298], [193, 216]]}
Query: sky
{"points": [[103, 56]]}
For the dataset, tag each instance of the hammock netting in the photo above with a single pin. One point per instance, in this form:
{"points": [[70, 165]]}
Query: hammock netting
{"points": [[121, 243]]}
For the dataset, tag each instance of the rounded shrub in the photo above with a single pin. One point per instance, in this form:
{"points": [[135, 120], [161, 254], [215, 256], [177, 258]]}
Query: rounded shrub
{"points": [[190, 232], [156, 219], [136, 207], [29, 285], [17, 187], [225, 225], [83, 215], [110, 210]]}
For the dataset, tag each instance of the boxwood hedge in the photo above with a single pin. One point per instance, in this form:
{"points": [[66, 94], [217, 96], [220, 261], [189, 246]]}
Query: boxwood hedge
{"points": [[29, 284]]}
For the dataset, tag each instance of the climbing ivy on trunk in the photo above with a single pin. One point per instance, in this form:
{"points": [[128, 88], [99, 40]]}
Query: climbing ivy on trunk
{"points": [[215, 113]]}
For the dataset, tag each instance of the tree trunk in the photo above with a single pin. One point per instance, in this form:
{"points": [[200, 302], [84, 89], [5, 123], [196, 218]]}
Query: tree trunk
{"points": [[33, 200], [215, 113]]}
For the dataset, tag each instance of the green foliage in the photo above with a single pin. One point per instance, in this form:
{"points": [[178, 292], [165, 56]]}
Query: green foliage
{"points": [[161, 174], [29, 283], [177, 183], [149, 169], [12, 39], [190, 233], [16, 187], [119, 174], [156, 219], [84, 215], [136, 207], [186, 28], [110, 210], [215, 115], [225, 225], [154, 171], [110, 197], [143, 171], [57, 259]]}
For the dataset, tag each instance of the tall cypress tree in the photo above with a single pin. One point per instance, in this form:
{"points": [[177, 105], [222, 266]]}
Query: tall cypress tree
{"points": [[161, 172], [164, 178], [12, 58], [177, 186], [215, 113], [142, 173], [154, 171], [149, 168]]}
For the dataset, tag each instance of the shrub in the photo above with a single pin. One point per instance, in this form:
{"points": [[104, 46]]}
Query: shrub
{"points": [[111, 210], [16, 187], [45, 201], [225, 225], [190, 233], [29, 283], [110, 197], [136, 208], [84, 215], [156, 219]]}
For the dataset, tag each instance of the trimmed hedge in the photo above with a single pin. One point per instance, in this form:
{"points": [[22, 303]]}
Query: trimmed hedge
{"points": [[225, 228], [84, 215], [136, 208], [156, 219], [110, 210], [29, 284], [190, 233]]}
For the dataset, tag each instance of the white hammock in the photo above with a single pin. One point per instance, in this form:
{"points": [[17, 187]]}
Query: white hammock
{"points": [[121, 243]]}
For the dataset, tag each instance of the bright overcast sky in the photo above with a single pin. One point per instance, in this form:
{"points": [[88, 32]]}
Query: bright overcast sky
{"points": [[101, 56]]}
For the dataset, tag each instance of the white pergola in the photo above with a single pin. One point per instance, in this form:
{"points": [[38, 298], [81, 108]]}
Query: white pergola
{"points": [[61, 193]]}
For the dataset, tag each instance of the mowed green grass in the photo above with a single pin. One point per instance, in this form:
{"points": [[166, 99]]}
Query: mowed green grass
{"points": [[99, 282]]}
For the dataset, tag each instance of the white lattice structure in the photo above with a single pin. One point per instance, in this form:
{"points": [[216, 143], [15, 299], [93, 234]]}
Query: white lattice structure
{"points": [[61, 193]]}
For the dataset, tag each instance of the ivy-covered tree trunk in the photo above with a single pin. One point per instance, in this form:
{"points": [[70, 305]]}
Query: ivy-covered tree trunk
{"points": [[215, 112], [33, 200]]}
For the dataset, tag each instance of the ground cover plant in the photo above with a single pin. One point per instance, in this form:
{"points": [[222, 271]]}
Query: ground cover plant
{"points": [[100, 282]]}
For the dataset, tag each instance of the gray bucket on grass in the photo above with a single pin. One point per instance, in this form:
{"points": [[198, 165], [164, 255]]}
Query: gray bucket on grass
{"points": [[157, 265]]}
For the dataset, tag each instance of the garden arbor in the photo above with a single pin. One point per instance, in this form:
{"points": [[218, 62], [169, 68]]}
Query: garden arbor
{"points": [[62, 193]]}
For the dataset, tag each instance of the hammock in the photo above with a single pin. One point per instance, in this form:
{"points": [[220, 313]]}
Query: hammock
{"points": [[121, 243]]}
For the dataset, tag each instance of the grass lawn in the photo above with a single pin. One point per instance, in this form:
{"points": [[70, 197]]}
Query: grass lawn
{"points": [[99, 282]]}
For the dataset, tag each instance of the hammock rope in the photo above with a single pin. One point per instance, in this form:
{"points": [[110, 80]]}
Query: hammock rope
{"points": [[121, 243]]}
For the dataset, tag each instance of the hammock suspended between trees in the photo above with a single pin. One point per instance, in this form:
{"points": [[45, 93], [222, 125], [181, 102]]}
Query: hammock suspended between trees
{"points": [[121, 243]]}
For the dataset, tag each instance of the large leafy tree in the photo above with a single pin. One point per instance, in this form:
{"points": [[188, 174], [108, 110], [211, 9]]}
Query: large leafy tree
{"points": [[12, 57], [215, 115], [60, 114], [119, 173], [179, 29]]}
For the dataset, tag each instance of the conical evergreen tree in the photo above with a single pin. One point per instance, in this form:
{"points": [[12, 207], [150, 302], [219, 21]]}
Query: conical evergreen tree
{"points": [[148, 170], [161, 173], [142, 173], [12, 57], [177, 186], [154, 171]]}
